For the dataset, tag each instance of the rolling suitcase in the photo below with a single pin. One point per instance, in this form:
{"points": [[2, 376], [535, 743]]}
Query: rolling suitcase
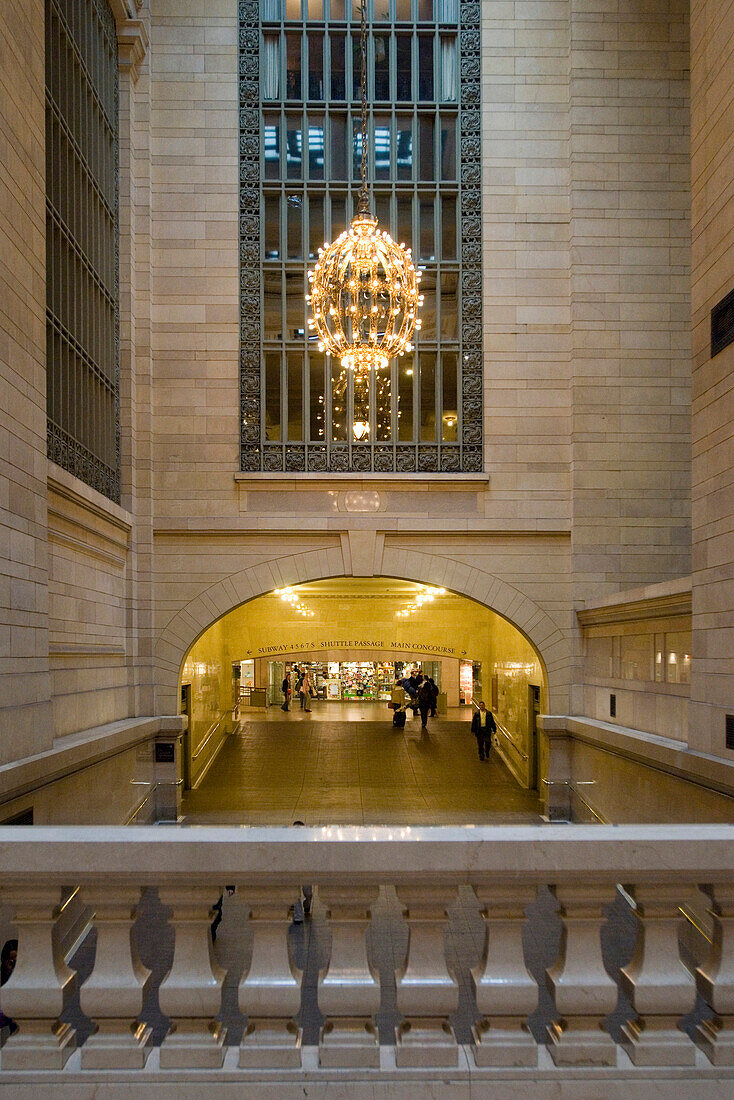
{"points": [[398, 719]]}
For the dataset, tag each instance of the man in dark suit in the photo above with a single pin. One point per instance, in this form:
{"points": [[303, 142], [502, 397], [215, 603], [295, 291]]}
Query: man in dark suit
{"points": [[483, 726]]}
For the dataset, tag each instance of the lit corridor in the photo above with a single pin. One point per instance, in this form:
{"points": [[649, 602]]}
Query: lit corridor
{"points": [[345, 764]]}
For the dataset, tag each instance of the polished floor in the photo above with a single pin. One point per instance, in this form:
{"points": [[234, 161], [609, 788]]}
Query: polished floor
{"points": [[347, 764]]}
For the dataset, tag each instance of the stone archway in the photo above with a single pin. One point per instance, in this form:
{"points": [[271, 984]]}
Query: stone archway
{"points": [[361, 558]]}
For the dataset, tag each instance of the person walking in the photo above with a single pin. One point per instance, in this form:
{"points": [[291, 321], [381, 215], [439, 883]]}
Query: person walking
{"points": [[483, 726], [306, 692], [434, 689], [425, 702], [285, 687]]}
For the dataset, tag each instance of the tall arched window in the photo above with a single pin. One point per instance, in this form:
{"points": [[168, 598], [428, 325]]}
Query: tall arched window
{"points": [[82, 314], [299, 183]]}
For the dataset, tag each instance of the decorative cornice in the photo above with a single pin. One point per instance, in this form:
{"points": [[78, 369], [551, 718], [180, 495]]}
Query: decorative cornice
{"points": [[132, 46]]}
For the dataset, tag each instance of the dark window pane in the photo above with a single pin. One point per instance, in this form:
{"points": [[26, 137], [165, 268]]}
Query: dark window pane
{"points": [[405, 221], [315, 225], [337, 67], [293, 66], [338, 147], [294, 220], [449, 419], [338, 217], [356, 68], [272, 396], [425, 68], [449, 305], [426, 248], [428, 397], [272, 304], [382, 66], [405, 398], [404, 157], [383, 406], [295, 306], [428, 309], [382, 210], [315, 65], [295, 395], [448, 148], [338, 404], [426, 147], [317, 406], [272, 227], [403, 67], [448, 227]]}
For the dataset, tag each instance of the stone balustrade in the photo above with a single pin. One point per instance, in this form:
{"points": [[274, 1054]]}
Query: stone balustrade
{"points": [[654, 1011]]}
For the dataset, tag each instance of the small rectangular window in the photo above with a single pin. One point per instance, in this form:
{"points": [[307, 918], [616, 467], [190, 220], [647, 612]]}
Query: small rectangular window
{"points": [[271, 66], [426, 245], [381, 147], [425, 123], [404, 147], [292, 9], [295, 306], [271, 146], [678, 657], [449, 69], [637, 656], [449, 305], [448, 147]]}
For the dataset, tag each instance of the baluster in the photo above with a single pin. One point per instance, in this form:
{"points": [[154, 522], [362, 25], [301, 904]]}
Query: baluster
{"points": [[191, 992], [349, 994], [34, 995], [426, 990], [112, 995], [715, 980], [506, 993], [270, 990], [584, 992], [658, 985]]}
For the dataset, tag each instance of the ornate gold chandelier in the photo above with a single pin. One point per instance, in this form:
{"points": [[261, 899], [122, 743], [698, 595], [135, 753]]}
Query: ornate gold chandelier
{"points": [[364, 289]]}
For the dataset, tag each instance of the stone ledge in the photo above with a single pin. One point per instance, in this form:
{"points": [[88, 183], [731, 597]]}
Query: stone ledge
{"points": [[651, 749], [386, 1083], [79, 750]]}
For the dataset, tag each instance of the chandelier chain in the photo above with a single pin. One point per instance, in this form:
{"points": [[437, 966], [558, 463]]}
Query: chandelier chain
{"points": [[364, 198]]}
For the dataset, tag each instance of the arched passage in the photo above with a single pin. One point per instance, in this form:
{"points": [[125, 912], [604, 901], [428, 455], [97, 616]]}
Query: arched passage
{"points": [[218, 598], [357, 636]]}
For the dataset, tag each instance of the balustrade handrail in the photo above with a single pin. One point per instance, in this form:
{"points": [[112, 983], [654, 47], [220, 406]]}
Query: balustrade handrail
{"points": [[329, 854]]}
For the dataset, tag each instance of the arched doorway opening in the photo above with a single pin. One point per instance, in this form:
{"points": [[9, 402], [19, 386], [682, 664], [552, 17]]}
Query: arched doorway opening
{"points": [[357, 637]]}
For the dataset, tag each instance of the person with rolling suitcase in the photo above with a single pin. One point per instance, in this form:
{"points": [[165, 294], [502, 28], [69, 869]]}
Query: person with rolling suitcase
{"points": [[398, 718]]}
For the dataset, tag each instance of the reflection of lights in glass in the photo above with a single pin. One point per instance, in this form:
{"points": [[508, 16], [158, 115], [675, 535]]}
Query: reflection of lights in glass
{"points": [[360, 428]]}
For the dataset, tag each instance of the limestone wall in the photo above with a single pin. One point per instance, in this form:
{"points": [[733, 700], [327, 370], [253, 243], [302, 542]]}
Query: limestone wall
{"points": [[25, 712], [712, 169]]}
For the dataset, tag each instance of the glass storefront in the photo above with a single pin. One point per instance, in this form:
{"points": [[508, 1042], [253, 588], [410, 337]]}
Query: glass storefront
{"points": [[350, 681]]}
